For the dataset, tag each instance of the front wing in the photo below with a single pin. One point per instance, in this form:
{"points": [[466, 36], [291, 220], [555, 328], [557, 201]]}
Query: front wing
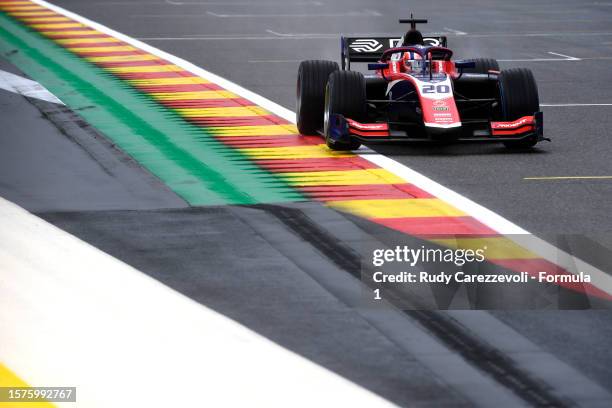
{"points": [[343, 129]]}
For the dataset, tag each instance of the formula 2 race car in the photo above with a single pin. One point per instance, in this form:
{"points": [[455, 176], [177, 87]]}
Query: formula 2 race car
{"points": [[418, 93]]}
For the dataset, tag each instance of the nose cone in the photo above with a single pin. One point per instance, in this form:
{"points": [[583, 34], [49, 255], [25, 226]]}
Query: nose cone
{"points": [[443, 133]]}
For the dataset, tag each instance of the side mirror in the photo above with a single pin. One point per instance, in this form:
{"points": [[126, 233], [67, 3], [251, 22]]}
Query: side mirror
{"points": [[374, 67], [465, 64]]}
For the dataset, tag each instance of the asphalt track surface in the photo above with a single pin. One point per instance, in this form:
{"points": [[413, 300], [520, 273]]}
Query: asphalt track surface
{"points": [[258, 45]]}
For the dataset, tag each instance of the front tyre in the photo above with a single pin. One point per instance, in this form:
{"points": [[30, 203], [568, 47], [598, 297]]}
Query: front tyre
{"points": [[311, 82], [345, 95], [518, 97]]}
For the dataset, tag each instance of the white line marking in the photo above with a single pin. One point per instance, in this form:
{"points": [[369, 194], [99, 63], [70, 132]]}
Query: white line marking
{"points": [[555, 59], [125, 3], [264, 61], [337, 35], [456, 32], [166, 15], [545, 178], [72, 314], [557, 105], [495, 221], [564, 56], [130, 3], [365, 13], [541, 21], [535, 60], [26, 87], [288, 34], [557, 34], [254, 37], [307, 35], [241, 3]]}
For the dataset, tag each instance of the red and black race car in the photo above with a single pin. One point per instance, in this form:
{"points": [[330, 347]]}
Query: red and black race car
{"points": [[418, 93]]}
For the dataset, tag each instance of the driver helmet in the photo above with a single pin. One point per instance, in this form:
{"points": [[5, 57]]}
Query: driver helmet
{"points": [[412, 62]]}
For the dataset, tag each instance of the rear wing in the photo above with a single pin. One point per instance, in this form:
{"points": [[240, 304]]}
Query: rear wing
{"points": [[371, 49]]}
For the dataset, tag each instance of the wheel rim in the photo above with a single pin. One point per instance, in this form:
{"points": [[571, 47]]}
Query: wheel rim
{"points": [[298, 108], [326, 112]]}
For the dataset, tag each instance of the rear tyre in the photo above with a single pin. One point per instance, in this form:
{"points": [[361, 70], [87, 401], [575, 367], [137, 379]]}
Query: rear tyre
{"points": [[345, 95], [311, 82], [518, 97], [482, 66]]}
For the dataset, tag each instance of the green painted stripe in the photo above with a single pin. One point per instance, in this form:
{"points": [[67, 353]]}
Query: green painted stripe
{"points": [[191, 162]]}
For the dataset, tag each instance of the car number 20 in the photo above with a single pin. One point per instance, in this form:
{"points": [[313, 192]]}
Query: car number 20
{"points": [[441, 89]]}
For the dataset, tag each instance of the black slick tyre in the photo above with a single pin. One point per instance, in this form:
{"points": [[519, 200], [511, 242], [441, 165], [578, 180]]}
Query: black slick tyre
{"points": [[345, 95], [482, 66], [518, 97]]}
